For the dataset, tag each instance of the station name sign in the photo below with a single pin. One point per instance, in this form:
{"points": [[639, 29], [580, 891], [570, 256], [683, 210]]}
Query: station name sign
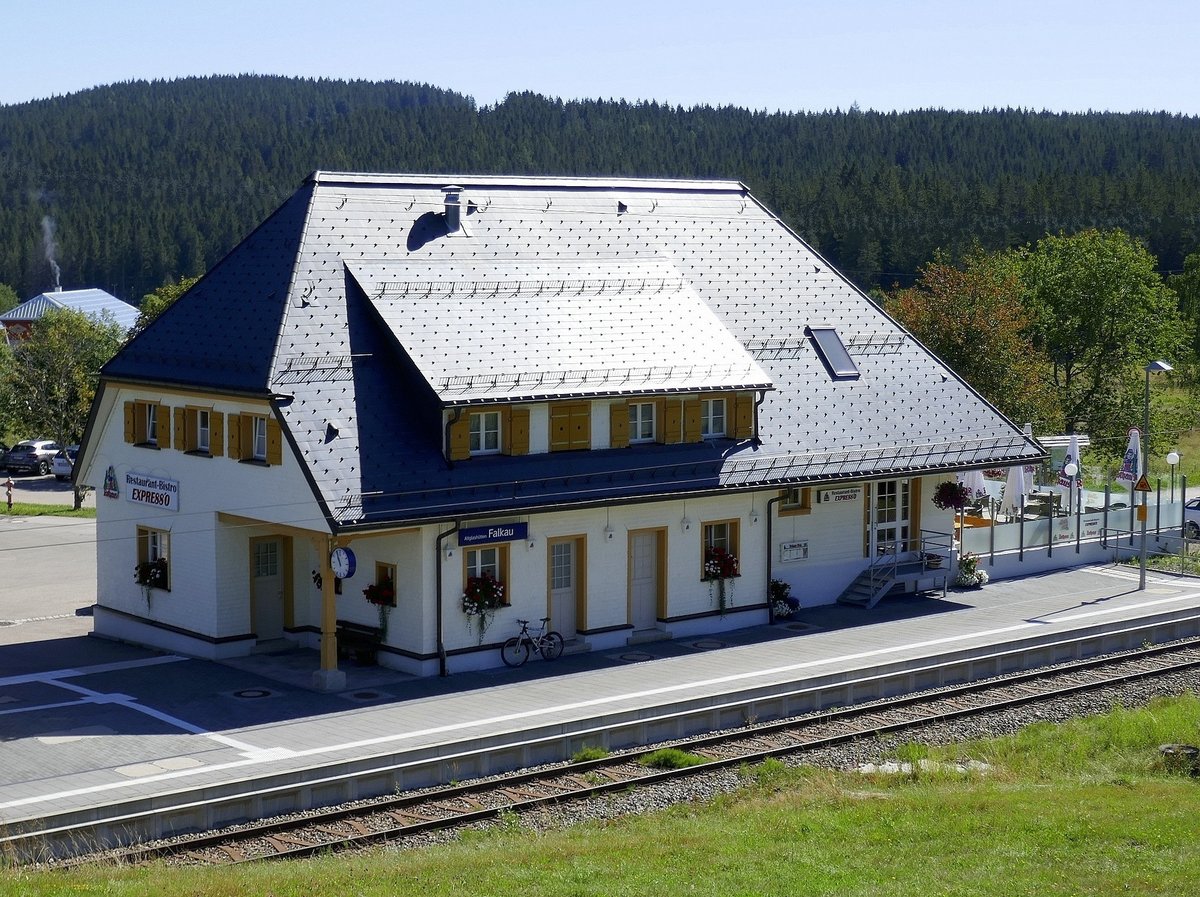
{"points": [[495, 532], [148, 490]]}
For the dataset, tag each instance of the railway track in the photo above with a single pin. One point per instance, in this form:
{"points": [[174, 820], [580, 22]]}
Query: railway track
{"points": [[399, 816]]}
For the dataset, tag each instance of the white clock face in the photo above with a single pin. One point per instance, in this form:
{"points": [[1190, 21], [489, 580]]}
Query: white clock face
{"points": [[342, 562]]}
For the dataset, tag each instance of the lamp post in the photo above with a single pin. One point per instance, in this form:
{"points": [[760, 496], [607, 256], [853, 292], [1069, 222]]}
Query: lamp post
{"points": [[1154, 367], [1173, 460]]}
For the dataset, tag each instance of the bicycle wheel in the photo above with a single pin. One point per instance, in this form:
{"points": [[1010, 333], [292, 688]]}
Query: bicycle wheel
{"points": [[514, 652], [552, 646]]}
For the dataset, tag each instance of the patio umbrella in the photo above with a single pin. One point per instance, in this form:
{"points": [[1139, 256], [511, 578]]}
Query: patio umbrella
{"points": [[974, 481], [1014, 489]]}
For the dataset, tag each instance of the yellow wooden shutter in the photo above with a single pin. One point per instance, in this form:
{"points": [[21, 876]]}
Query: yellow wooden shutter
{"points": [[216, 433], [581, 426], [459, 448], [180, 430], [130, 428], [672, 421], [743, 416], [660, 420], [618, 425], [274, 442], [560, 427], [518, 427], [235, 437], [691, 420], [164, 426]]}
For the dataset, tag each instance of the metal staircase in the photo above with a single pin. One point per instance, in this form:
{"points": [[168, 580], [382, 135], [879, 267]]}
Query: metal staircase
{"points": [[904, 565]]}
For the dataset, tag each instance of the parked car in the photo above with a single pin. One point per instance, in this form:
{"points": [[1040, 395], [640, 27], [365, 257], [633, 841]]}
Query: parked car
{"points": [[31, 455], [1191, 518], [64, 462]]}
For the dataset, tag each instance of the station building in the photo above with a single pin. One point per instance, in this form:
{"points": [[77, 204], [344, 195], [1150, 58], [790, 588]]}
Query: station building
{"points": [[627, 405]]}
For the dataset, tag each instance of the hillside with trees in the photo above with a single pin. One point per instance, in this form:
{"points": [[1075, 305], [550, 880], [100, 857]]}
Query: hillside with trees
{"points": [[138, 184]]}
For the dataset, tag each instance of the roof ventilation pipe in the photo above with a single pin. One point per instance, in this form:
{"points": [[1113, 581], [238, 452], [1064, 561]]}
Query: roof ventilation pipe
{"points": [[453, 208]]}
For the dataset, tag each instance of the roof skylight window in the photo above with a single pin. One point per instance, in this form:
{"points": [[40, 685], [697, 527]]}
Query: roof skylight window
{"points": [[832, 352]]}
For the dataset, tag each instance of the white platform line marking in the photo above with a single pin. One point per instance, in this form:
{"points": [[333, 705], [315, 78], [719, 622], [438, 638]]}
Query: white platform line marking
{"points": [[594, 702]]}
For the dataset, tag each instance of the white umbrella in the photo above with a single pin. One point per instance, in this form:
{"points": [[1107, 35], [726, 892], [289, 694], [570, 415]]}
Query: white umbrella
{"points": [[975, 483], [1014, 489]]}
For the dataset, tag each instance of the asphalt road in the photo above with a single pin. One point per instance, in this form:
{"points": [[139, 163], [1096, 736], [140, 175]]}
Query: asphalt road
{"points": [[47, 567]]}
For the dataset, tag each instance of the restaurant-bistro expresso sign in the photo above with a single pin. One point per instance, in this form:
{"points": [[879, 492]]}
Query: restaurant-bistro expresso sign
{"points": [[495, 532], [154, 491]]}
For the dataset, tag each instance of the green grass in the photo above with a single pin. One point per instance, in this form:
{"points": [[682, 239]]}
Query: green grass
{"points": [[590, 752], [28, 509], [1081, 809], [671, 758]]}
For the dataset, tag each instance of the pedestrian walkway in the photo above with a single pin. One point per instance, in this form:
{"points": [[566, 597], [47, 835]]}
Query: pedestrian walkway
{"points": [[122, 725]]}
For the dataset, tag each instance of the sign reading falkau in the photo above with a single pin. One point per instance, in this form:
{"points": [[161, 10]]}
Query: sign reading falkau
{"points": [[495, 532]]}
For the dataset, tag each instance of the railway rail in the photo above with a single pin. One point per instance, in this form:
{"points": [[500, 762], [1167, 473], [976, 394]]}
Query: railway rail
{"points": [[402, 815]]}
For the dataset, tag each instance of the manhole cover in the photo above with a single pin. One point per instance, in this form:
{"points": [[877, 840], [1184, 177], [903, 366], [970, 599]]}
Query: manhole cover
{"points": [[364, 695], [253, 693], [635, 656], [709, 644], [798, 627]]}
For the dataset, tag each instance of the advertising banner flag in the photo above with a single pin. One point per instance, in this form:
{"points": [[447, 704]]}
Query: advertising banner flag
{"points": [[1131, 465]]}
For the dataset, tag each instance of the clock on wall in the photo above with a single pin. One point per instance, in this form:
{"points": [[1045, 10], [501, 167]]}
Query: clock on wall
{"points": [[343, 562]]}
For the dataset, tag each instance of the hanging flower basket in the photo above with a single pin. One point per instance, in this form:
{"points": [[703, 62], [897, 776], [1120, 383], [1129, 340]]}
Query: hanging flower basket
{"points": [[481, 598], [952, 494]]}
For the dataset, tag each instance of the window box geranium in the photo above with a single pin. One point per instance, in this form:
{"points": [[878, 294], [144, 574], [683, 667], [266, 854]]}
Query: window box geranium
{"points": [[152, 574], [381, 593], [481, 598], [720, 567], [952, 494]]}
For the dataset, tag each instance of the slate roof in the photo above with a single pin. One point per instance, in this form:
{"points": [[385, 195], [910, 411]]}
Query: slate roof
{"points": [[353, 307], [92, 302]]}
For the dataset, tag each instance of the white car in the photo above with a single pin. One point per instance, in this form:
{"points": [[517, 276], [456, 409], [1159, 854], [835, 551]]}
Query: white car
{"points": [[64, 462], [1191, 518]]}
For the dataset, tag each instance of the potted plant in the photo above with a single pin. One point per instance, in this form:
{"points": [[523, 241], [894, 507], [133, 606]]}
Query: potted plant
{"points": [[482, 596], [383, 595], [951, 494], [969, 574], [931, 560], [779, 594]]}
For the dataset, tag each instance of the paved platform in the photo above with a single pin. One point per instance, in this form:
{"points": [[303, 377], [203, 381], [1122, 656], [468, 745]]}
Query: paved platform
{"points": [[86, 723]]}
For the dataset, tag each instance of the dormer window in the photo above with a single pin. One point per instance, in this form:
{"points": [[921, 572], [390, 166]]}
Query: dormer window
{"points": [[712, 418], [485, 432]]}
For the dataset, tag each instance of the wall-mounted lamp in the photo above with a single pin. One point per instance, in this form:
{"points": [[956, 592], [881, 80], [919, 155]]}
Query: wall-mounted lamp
{"points": [[449, 554], [753, 517], [531, 544], [685, 525], [609, 533]]}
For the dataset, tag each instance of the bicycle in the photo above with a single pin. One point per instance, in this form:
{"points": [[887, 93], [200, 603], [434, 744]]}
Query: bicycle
{"points": [[516, 650]]}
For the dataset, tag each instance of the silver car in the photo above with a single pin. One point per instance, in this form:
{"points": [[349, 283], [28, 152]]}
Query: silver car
{"points": [[31, 456], [1191, 518], [64, 462]]}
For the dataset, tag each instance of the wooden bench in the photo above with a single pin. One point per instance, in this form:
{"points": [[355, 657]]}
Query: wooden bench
{"points": [[358, 640]]}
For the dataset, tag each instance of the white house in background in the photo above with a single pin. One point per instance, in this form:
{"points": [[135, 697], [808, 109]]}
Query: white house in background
{"points": [[97, 304], [583, 388]]}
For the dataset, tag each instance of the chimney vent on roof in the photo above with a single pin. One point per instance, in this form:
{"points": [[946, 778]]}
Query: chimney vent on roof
{"points": [[453, 207]]}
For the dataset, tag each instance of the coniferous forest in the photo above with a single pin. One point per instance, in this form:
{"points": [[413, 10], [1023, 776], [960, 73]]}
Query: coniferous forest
{"points": [[135, 184]]}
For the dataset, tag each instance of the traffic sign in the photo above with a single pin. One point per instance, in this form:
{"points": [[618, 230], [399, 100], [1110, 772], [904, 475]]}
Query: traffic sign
{"points": [[1142, 485]]}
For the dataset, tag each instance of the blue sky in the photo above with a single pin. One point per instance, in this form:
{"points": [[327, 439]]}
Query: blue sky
{"points": [[768, 54]]}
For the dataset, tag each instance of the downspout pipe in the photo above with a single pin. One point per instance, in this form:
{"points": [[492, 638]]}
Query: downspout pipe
{"points": [[454, 418], [762, 397], [770, 554], [437, 560]]}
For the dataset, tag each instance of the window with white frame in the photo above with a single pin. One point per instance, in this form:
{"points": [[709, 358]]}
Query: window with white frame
{"points": [[259, 436], [485, 432], [641, 421], [719, 541], [712, 418], [203, 430], [490, 561]]}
